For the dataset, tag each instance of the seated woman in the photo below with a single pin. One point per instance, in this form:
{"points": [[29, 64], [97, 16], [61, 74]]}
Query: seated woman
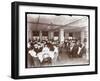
{"points": [[36, 61], [30, 62], [46, 56], [45, 49]]}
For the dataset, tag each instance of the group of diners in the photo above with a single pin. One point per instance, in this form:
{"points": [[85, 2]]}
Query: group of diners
{"points": [[43, 53], [46, 52], [76, 48]]}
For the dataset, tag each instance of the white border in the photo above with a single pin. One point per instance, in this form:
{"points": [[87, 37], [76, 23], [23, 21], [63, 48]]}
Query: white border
{"points": [[38, 71]]}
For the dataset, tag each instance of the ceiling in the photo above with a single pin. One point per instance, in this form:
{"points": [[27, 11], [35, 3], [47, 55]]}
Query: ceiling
{"points": [[54, 22]]}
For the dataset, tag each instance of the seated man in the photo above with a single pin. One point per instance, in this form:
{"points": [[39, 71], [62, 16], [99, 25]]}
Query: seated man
{"points": [[82, 51], [47, 61], [73, 49]]}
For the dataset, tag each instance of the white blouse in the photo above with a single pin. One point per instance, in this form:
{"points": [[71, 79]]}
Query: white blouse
{"points": [[32, 53]]}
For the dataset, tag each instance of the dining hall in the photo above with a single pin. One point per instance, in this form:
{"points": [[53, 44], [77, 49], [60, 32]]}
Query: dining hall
{"points": [[57, 40]]}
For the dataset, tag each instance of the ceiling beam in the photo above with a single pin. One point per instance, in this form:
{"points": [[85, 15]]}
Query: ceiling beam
{"points": [[71, 28], [68, 24], [45, 24]]}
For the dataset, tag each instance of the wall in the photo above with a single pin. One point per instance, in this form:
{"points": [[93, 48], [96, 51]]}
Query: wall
{"points": [[5, 40]]}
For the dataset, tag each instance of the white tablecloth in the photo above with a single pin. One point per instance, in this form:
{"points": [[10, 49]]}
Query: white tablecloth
{"points": [[43, 55]]}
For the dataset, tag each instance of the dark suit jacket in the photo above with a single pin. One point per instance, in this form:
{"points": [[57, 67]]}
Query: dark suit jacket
{"points": [[83, 51], [74, 51]]}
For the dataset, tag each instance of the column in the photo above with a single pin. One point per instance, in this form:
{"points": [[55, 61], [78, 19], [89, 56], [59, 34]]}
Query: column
{"points": [[61, 36], [66, 35], [29, 35], [82, 36], [29, 32], [51, 35], [40, 35]]}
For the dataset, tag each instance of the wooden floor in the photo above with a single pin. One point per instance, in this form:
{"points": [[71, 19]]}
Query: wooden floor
{"points": [[65, 60]]}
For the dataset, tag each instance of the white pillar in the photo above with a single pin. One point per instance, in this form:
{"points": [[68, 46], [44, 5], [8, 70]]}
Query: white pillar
{"points": [[66, 35], [61, 36], [40, 35], [29, 35], [29, 32], [51, 35], [82, 36]]}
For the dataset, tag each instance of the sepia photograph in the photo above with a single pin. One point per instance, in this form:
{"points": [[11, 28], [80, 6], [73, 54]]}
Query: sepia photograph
{"points": [[52, 40], [56, 40]]}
